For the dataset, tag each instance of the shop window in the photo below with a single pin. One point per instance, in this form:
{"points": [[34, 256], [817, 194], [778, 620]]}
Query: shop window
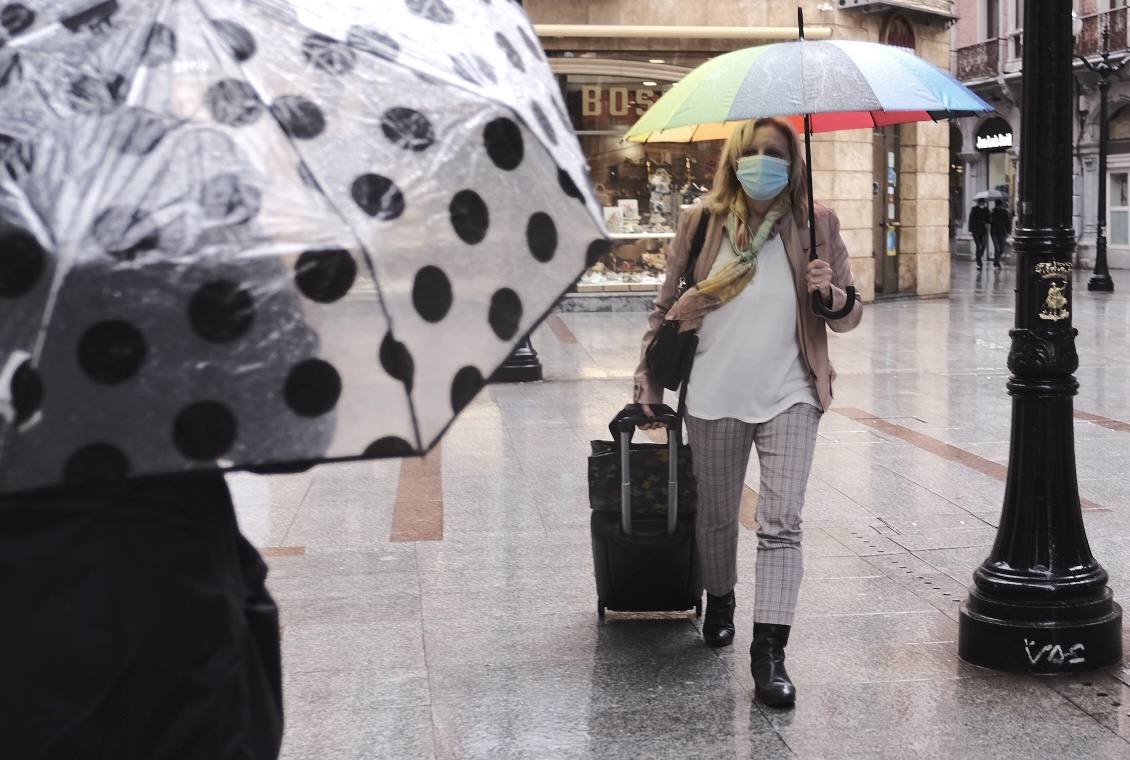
{"points": [[991, 19], [1118, 203], [641, 187]]}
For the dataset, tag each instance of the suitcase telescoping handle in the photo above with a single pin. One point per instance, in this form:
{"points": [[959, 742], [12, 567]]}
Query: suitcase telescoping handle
{"points": [[626, 422]]}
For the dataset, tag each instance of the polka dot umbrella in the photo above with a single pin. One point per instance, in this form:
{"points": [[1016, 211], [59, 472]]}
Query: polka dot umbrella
{"points": [[248, 233]]}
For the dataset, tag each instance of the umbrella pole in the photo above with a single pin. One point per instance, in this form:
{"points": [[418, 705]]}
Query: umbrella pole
{"points": [[818, 302]]}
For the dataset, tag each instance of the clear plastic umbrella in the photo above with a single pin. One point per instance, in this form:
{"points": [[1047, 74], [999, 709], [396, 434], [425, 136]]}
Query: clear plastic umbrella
{"points": [[249, 232]]}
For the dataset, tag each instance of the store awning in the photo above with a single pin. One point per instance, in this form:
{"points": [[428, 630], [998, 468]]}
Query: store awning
{"points": [[943, 8], [629, 31]]}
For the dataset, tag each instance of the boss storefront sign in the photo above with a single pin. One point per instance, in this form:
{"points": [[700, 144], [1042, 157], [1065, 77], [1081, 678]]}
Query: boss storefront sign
{"points": [[610, 106], [993, 136]]}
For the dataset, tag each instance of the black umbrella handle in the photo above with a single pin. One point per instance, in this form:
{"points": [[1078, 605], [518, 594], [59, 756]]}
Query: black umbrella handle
{"points": [[829, 313]]}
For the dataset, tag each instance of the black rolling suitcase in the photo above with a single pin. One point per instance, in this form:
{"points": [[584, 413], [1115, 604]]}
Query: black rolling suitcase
{"points": [[646, 561]]}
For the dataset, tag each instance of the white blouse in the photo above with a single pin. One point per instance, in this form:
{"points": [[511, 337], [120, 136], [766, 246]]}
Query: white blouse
{"points": [[749, 364]]}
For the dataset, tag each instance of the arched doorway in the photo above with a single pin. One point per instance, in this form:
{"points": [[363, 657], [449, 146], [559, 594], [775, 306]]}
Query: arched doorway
{"points": [[900, 33]]}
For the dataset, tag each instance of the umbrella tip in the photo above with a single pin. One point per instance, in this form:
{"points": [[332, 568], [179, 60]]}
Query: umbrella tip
{"points": [[800, 22]]}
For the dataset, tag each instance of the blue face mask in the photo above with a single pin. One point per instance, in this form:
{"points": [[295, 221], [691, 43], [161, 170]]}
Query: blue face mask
{"points": [[763, 177]]}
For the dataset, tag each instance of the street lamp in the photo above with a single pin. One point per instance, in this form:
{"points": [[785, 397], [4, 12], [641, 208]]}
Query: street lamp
{"points": [[1100, 279], [1040, 601], [522, 366]]}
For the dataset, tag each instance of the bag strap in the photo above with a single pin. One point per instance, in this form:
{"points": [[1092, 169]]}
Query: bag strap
{"points": [[688, 280]]}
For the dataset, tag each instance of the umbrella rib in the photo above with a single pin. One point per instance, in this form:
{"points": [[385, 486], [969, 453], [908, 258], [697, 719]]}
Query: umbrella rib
{"points": [[369, 262]]}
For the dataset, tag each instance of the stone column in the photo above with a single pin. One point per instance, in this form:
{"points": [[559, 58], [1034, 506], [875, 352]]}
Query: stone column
{"points": [[963, 241]]}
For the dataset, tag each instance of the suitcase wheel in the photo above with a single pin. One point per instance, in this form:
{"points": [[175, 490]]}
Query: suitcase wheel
{"points": [[698, 608], [600, 608]]}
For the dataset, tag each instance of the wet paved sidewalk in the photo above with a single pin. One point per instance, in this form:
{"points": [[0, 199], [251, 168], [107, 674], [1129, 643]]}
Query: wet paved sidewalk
{"points": [[446, 608]]}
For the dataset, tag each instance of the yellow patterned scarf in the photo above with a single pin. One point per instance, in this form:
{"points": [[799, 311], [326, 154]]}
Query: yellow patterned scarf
{"points": [[731, 279]]}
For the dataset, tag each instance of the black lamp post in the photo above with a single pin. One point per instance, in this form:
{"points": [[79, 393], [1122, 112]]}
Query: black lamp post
{"points": [[1040, 602], [522, 366], [1100, 279]]}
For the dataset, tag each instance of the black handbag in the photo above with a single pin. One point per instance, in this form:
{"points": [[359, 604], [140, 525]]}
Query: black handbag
{"points": [[670, 354]]}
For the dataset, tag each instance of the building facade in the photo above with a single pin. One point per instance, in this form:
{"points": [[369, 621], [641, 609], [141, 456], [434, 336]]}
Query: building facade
{"points": [[988, 40], [890, 186]]}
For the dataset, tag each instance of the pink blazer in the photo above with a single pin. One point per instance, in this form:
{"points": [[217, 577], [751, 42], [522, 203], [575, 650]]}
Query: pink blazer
{"points": [[811, 329]]}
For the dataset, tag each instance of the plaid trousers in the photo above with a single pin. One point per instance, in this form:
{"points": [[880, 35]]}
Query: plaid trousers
{"points": [[785, 445]]}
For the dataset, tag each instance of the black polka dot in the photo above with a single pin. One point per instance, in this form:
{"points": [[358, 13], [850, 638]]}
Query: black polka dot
{"points": [[204, 431], [27, 392], [16, 18], [531, 44], [389, 446], [397, 361], [597, 250], [96, 463], [432, 10], [238, 40], [467, 383], [233, 102], [510, 51], [469, 216], [160, 46], [408, 129], [111, 352], [228, 197], [541, 236], [543, 122], [326, 274], [431, 294], [373, 42], [312, 388], [221, 311], [378, 196], [505, 313], [125, 233], [138, 131], [328, 55], [503, 140], [300, 118], [22, 260], [91, 95], [568, 185], [17, 156]]}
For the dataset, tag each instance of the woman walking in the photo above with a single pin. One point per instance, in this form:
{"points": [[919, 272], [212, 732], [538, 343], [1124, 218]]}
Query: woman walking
{"points": [[761, 375]]}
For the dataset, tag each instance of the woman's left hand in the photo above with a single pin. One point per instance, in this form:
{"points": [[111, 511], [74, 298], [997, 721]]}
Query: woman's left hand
{"points": [[820, 279]]}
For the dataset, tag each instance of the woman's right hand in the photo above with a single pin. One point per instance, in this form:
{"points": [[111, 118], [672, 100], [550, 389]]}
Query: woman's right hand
{"points": [[646, 409]]}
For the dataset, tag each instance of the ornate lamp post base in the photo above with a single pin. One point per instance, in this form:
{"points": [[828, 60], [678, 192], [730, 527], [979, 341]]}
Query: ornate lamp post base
{"points": [[1040, 638], [1101, 282], [1040, 601], [523, 366]]}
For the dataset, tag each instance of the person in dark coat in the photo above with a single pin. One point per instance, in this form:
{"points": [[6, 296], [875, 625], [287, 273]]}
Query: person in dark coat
{"points": [[978, 225], [1000, 224], [136, 625]]}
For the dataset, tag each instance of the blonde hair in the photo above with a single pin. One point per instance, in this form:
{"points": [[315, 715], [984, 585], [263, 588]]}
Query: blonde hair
{"points": [[727, 189]]}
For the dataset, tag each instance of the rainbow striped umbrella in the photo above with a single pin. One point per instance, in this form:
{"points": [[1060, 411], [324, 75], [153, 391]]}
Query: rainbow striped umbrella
{"points": [[820, 86], [840, 84]]}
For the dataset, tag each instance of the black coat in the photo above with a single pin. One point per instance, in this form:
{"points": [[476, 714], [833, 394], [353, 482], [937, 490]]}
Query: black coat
{"points": [[978, 219], [136, 626], [1000, 221]]}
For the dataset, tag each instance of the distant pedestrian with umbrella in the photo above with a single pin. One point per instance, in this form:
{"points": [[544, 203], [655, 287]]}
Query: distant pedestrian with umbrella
{"points": [[979, 227], [1000, 225], [823, 86]]}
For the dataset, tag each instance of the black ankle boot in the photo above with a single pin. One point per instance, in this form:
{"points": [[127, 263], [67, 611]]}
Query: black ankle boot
{"points": [[767, 663], [718, 626]]}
